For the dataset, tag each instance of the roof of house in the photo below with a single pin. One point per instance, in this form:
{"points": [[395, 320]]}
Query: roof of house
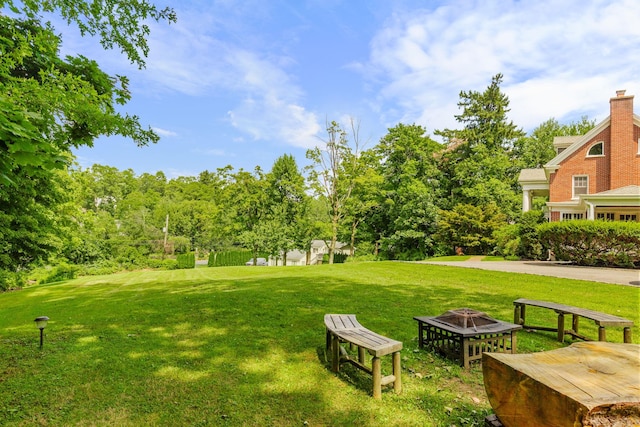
{"points": [[318, 243], [582, 140], [296, 255], [529, 175], [629, 190], [565, 141]]}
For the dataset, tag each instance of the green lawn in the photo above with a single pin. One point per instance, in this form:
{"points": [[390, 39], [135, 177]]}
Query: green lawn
{"points": [[243, 346]]}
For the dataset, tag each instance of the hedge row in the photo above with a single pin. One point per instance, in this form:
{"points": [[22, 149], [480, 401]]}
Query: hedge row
{"points": [[594, 243], [337, 258], [231, 258], [186, 260]]}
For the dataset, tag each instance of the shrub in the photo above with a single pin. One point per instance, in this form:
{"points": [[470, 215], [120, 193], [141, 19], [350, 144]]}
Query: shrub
{"points": [[507, 240], [470, 227], [530, 246], [339, 258], [10, 280], [186, 260], [521, 240], [180, 245], [365, 257], [594, 243], [62, 271], [100, 268], [163, 264], [232, 258]]}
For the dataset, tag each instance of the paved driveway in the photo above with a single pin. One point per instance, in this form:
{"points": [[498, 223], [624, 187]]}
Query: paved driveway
{"points": [[549, 268]]}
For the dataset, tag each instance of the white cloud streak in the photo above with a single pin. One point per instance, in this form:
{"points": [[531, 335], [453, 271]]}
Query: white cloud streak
{"points": [[189, 59], [559, 59], [164, 132]]}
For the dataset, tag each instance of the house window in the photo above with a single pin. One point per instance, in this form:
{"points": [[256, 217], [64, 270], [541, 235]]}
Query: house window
{"points": [[605, 216], [596, 150], [569, 216], [580, 185], [626, 217]]}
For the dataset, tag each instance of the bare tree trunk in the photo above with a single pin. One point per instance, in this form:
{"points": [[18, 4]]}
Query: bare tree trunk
{"points": [[354, 227], [334, 237]]}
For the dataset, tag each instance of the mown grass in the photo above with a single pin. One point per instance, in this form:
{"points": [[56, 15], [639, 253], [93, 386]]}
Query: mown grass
{"points": [[243, 346]]}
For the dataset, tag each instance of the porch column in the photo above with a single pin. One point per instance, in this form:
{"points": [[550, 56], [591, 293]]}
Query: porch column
{"points": [[591, 211], [526, 200]]}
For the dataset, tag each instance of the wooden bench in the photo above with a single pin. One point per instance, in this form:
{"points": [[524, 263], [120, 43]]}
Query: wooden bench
{"points": [[601, 319], [345, 328]]}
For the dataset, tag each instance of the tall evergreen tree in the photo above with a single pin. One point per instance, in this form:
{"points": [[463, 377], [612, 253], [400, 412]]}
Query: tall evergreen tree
{"points": [[477, 165]]}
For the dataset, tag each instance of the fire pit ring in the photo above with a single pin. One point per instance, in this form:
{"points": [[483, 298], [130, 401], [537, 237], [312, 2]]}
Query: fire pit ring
{"points": [[463, 334]]}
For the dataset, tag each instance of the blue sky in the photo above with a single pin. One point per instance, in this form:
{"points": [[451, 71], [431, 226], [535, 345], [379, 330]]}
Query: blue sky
{"points": [[243, 82]]}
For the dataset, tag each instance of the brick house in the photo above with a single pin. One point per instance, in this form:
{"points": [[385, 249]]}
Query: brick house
{"points": [[593, 176]]}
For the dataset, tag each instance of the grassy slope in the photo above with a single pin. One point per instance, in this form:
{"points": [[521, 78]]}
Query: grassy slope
{"points": [[245, 346]]}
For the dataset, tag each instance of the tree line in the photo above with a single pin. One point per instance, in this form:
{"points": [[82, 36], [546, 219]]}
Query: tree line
{"points": [[407, 197]]}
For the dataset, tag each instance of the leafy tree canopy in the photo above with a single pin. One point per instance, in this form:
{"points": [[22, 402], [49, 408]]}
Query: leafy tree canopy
{"points": [[49, 104], [536, 149], [118, 23]]}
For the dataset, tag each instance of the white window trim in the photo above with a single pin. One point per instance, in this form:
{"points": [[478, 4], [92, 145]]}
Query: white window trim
{"points": [[606, 215], [572, 214], [593, 145], [573, 185]]}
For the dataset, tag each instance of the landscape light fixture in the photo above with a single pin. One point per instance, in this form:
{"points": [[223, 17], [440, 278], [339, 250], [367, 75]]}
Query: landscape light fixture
{"points": [[41, 323]]}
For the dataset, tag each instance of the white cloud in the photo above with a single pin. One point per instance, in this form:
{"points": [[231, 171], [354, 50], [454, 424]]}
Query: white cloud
{"points": [[559, 59], [164, 132], [271, 108], [188, 58]]}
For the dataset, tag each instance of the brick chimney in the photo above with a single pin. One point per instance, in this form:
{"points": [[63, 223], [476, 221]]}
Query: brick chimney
{"points": [[625, 162]]}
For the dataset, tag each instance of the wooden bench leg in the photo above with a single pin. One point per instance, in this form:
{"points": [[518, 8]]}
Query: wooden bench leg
{"points": [[575, 320], [514, 342], [376, 368], [335, 353], [465, 353], [397, 384], [516, 314], [602, 334], [361, 355], [627, 335], [561, 327]]}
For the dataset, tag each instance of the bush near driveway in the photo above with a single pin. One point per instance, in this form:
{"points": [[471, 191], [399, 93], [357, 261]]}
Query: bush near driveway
{"points": [[594, 243]]}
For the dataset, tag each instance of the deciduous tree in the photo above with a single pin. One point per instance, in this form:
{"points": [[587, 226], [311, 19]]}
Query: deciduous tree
{"points": [[50, 104], [332, 173], [288, 202], [409, 188]]}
